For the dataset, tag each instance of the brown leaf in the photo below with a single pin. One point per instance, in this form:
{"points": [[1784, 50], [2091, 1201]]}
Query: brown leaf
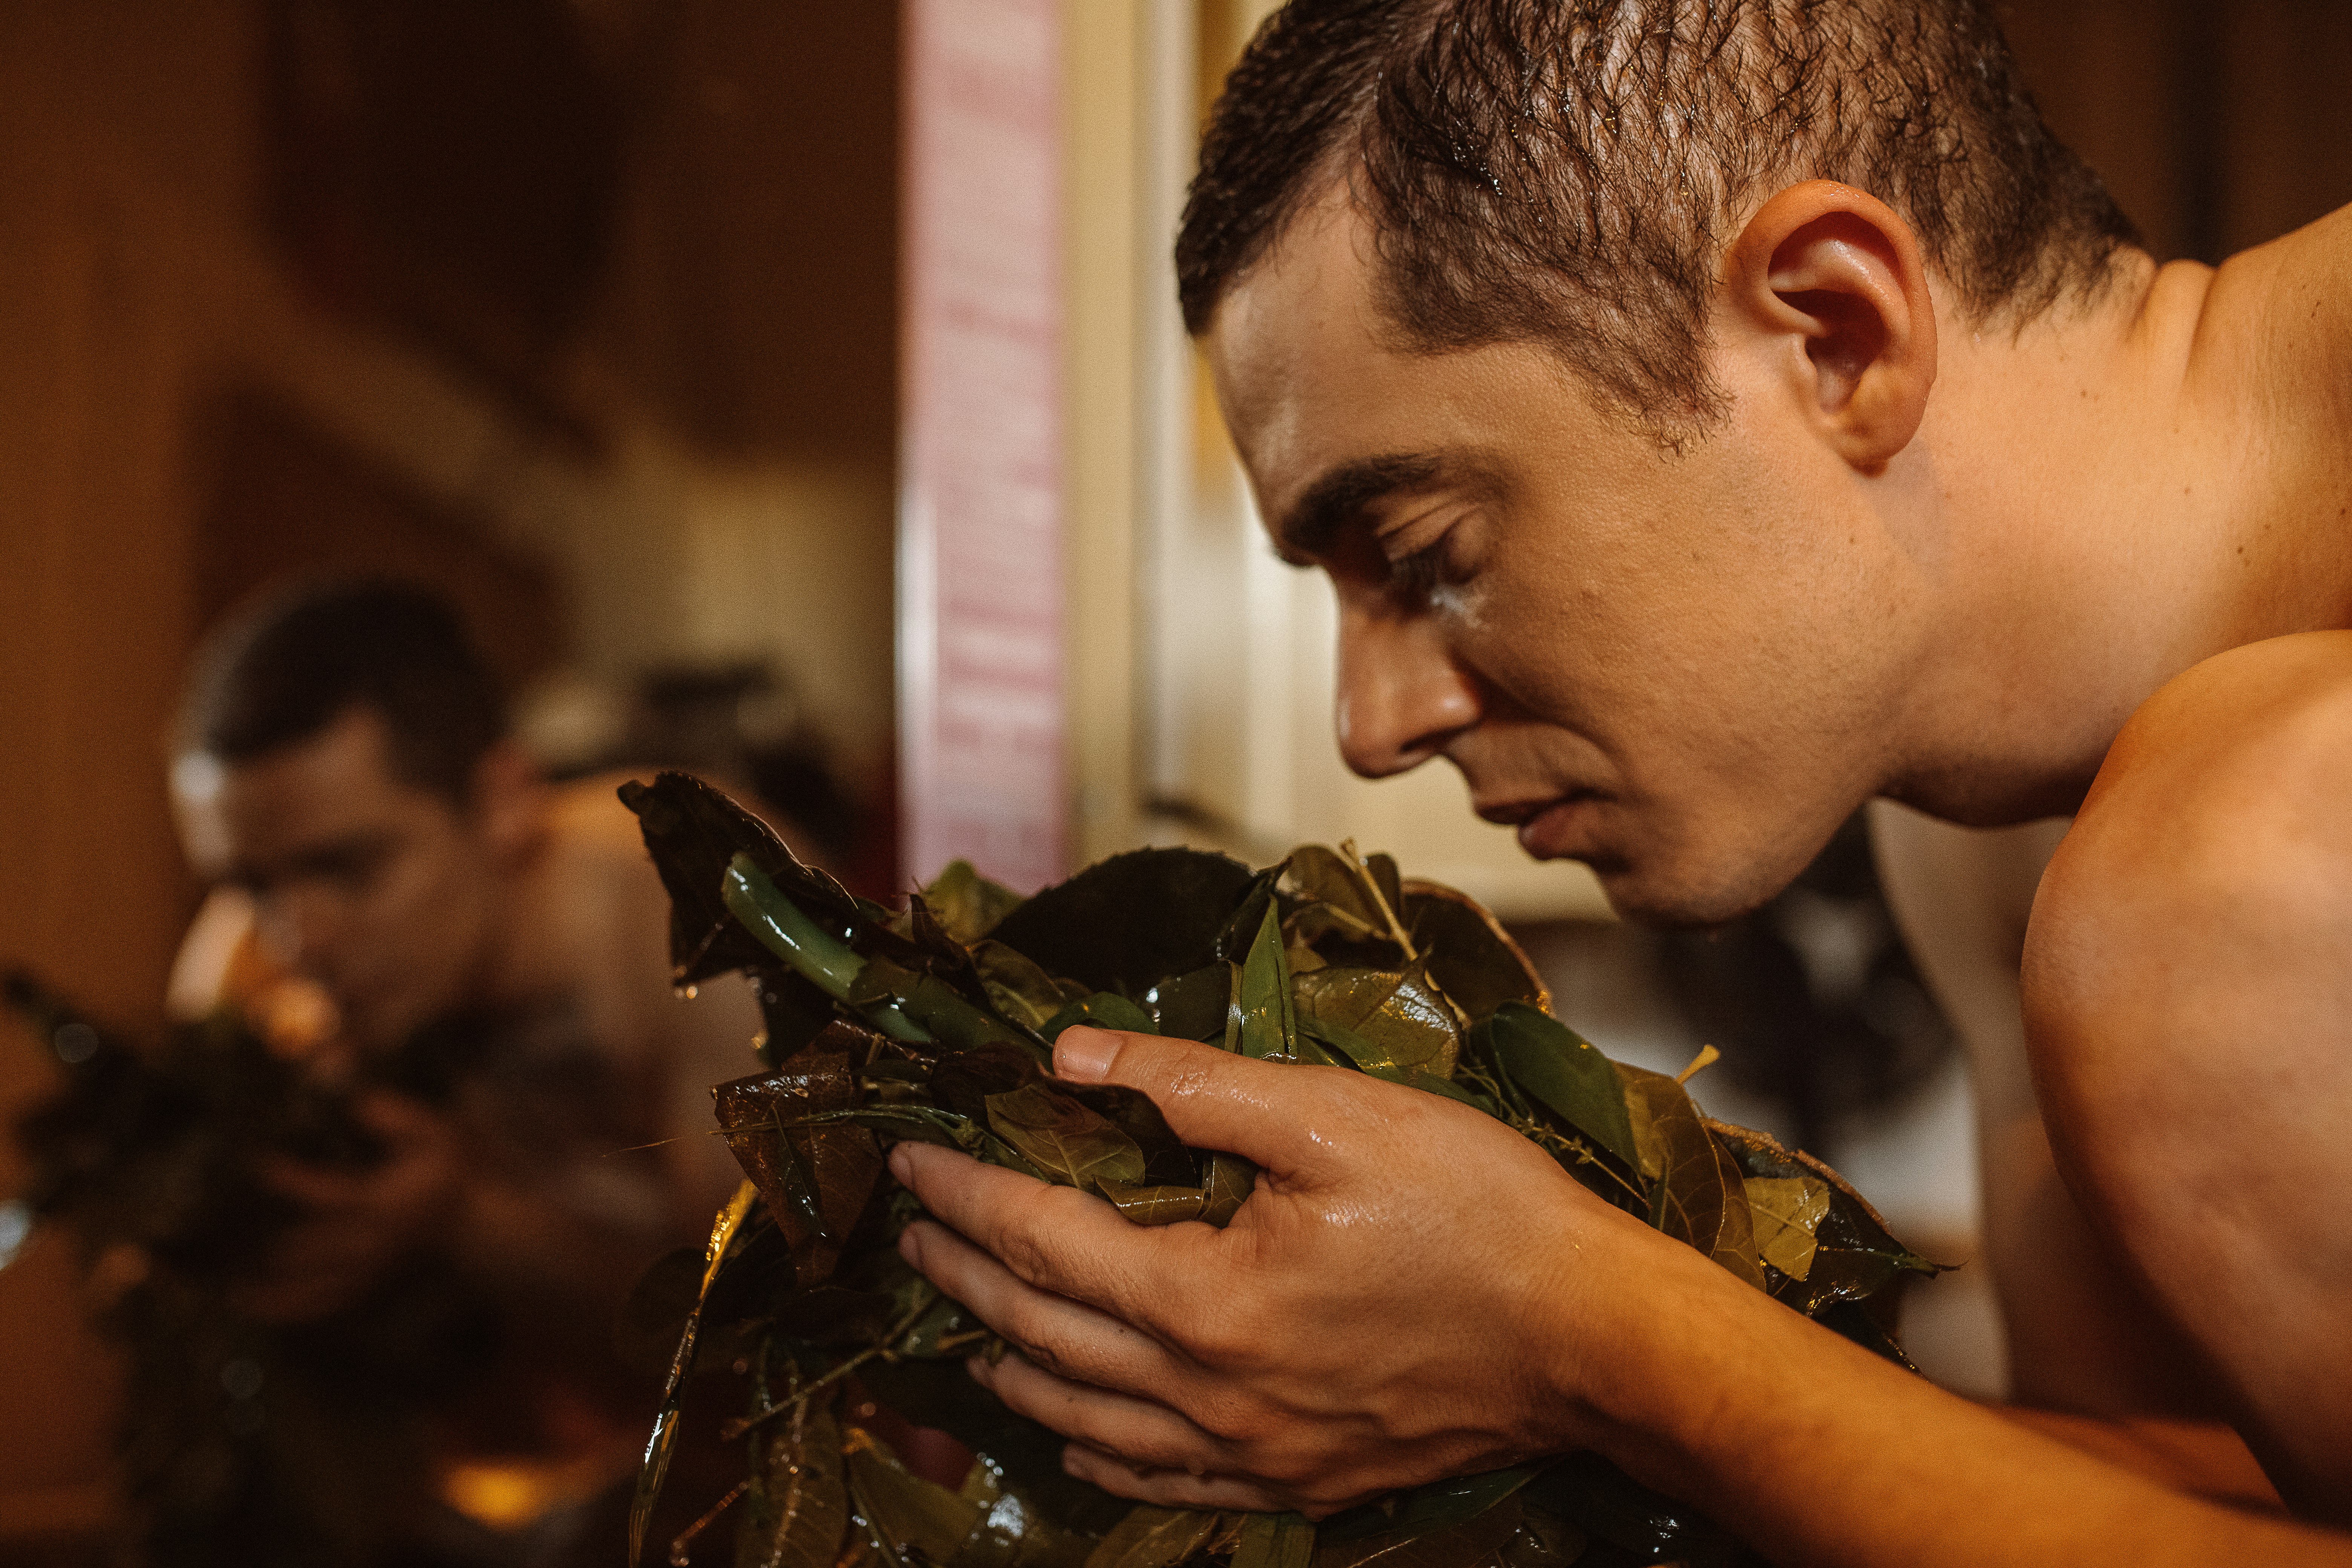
{"points": [[1698, 1195]]}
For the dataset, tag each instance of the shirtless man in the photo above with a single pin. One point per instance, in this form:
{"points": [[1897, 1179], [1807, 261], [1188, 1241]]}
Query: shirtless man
{"points": [[1711, 416], [388, 866]]}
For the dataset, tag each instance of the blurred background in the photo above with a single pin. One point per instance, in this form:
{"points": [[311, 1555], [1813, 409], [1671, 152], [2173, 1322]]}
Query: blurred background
{"points": [[795, 392]]}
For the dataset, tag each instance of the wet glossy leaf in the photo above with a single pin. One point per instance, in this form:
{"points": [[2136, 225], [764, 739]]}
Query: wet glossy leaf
{"points": [[1338, 879], [1154, 1538], [1465, 1545], [1130, 920], [1265, 1020], [1855, 1257], [661, 1447], [1698, 1195], [816, 1180], [1560, 1069], [1192, 1007], [692, 832], [1225, 1187], [1166, 1160], [1102, 1010], [1787, 1211], [1071, 1143], [1603, 1502], [1468, 953], [916, 1523], [1275, 1541], [954, 1021], [1440, 1505], [928, 1124], [1015, 1531], [798, 1510], [1021, 989], [1395, 1010], [962, 1081], [1154, 1205], [967, 903]]}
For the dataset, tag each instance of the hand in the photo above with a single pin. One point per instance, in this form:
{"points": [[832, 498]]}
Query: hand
{"points": [[358, 1226], [1383, 1311]]}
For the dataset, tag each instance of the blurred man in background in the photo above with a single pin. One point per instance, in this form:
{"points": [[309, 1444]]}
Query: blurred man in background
{"points": [[477, 959]]}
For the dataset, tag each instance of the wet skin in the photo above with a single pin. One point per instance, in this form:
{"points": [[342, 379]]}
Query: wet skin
{"points": [[1921, 555]]}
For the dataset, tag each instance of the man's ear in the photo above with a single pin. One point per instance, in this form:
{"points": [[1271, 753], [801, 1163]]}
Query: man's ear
{"points": [[509, 798], [1830, 281]]}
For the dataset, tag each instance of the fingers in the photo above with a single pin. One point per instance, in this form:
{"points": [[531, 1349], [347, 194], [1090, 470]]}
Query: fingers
{"points": [[1181, 1489], [1266, 1112], [1057, 1239], [1053, 1331], [1149, 1435]]}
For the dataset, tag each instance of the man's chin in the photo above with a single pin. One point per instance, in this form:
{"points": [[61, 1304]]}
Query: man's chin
{"points": [[1657, 893]]}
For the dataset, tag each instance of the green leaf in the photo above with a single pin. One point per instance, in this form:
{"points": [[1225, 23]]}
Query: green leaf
{"points": [[929, 1124], [967, 903], [1440, 1505], [1192, 1005], [1559, 1069], [661, 1445], [1787, 1211], [951, 1020], [1153, 1538], [1154, 1205], [1854, 1255], [1075, 1146], [1469, 954], [1275, 1540], [1394, 1010], [1336, 878], [1465, 1543], [916, 1523], [693, 831], [816, 1180], [1699, 1196], [1224, 1187], [1264, 1022], [1128, 921], [798, 1510], [1102, 1010], [1021, 989]]}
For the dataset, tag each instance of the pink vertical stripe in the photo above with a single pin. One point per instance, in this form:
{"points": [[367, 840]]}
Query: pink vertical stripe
{"points": [[980, 530]]}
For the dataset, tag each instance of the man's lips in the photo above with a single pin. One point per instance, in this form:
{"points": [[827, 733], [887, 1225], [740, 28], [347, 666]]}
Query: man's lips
{"points": [[1545, 824]]}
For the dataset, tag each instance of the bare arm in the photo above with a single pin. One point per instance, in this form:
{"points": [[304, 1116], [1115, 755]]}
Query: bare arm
{"points": [[1415, 1291], [2189, 989]]}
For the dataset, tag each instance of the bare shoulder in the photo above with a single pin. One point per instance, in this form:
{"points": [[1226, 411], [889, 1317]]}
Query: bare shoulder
{"points": [[2188, 991], [2232, 780]]}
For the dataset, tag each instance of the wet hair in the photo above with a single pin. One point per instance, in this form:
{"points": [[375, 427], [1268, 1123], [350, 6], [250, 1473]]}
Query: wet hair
{"points": [[1568, 172], [284, 669]]}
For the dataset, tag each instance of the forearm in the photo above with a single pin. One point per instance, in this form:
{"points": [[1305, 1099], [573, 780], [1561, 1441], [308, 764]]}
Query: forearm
{"points": [[1818, 1452]]}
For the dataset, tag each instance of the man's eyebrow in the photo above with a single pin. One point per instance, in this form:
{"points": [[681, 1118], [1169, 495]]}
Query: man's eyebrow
{"points": [[1340, 494]]}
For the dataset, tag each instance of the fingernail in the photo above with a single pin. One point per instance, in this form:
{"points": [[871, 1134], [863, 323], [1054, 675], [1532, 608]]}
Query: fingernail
{"points": [[1085, 1055], [978, 1367], [901, 1162], [909, 1248]]}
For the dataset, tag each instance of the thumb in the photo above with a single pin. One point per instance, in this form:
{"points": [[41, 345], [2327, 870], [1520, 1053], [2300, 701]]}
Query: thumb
{"points": [[1269, 1112]]}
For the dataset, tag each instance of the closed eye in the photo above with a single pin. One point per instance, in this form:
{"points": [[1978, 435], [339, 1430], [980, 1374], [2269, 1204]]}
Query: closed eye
{"points": [[1417, 575]]}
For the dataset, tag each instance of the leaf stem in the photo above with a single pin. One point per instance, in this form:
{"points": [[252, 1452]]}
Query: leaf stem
{"points": [[923, 1303]]}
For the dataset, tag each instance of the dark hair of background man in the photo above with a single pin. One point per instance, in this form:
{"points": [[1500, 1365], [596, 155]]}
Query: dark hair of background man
{"points": [[287, 668], [1566, 173]]}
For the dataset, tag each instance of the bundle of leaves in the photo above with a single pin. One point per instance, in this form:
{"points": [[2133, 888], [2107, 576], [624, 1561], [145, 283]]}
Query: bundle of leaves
{"points": [[145, 1157], [936, 1023]]}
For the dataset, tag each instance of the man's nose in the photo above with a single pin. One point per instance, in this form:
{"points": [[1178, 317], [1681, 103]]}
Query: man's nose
{"points": [[301, 926], [1401, 696]]}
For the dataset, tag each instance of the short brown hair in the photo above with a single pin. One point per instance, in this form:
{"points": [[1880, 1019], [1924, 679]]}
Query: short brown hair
{"points": [[1565, 171]]}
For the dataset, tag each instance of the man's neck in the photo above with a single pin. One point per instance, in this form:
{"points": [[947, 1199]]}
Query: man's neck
{"points": [[2129, 488]]}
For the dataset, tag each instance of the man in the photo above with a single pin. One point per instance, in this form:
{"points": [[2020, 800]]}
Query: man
{"points": [[1711, 416], [477, 959]]}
